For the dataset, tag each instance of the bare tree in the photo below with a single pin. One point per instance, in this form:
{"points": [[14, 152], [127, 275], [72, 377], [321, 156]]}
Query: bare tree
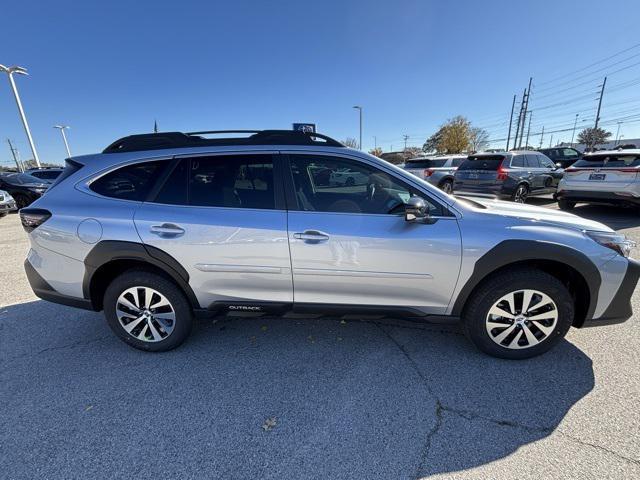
{"points": [[350, 142], [478, 139]]}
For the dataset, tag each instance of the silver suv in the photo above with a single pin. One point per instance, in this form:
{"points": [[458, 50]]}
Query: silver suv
{"points": [[160, 228], [437, 170], [602, 177]]}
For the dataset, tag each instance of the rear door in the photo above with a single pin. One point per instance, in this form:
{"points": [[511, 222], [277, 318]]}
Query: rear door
{"points": [[350, 245], [222, 217]]}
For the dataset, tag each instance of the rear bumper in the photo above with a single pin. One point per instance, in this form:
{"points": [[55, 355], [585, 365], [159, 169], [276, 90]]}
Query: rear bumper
{"points": [[597, 197], [7, 206], [46, 292], [619, 310]]}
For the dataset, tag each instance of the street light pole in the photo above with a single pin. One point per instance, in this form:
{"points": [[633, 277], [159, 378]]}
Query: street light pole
{"points": [[64, 137], [359, 108], [574, 128], [21, 71]]}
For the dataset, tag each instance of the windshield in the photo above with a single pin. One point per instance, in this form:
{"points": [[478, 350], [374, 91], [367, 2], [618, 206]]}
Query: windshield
{"points": [[485, 162], [21, 179], [610, 161], [425, 163]]}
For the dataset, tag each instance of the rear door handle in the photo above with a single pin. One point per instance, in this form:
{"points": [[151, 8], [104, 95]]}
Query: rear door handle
{"points": [[311, 236], [167, 230]]}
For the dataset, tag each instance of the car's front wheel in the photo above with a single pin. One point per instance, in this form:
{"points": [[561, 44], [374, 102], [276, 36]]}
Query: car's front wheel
{"points": [[518, 314], [147, 310], [566, 205]]}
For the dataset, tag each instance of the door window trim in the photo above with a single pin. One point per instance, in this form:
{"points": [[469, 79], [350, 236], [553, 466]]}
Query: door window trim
{"points": [[292, 200]]}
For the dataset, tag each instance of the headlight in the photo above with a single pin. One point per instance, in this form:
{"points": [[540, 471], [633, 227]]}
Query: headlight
{"points": [[614, 241], [39, 190]]}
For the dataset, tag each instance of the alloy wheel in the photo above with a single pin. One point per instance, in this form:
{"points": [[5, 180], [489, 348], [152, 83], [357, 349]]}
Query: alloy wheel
{"points": [[145, 314], [522, 319], [447, 187], [521, 194]]}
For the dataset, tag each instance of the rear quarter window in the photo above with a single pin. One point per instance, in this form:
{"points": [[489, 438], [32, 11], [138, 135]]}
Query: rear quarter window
{"points": [[426, 163], [132, 182]]}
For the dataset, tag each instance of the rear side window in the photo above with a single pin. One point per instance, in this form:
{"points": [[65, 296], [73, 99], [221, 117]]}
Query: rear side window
{"points": [[456, 162], [611, 161], [518, 161], [232, 181], [485, 162], [133, 182], [426, 163]]}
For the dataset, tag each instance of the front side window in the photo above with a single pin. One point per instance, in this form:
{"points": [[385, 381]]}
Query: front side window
{"points": [[533, 161], [232, 181], [333, 184], [546, 162], [133, 182]]}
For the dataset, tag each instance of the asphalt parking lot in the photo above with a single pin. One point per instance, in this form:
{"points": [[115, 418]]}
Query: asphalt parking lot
{"points": [[308, 397]]}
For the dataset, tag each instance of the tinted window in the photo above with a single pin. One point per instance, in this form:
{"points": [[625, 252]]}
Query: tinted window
{"points": [[456, 162], [425, 163], [518, 161], [47, 174], [570, 153], [132, 182], [235, 181], [546, 162], [21, 179], [485, 162], [330, 184], [611, 161], [533, 161]]}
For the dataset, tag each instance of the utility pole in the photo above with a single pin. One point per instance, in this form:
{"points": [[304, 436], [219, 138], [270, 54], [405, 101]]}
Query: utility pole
{"points": [[618, 133], [541, 137], [551, 140], [574, 128], [15, 156], [375, 142], [526, 108], [513, 104], [515, 141], [406, 137], [526, 144], [600, 102]]}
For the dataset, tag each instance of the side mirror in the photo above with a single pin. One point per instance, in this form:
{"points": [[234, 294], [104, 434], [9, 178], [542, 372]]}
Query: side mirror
{"points": [[415, 209]]}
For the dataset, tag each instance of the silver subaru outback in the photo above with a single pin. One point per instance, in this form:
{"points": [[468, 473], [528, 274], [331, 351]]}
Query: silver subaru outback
{"points": [[161, 228]]}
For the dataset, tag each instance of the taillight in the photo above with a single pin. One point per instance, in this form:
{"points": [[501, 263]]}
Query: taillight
{"points": [[502, 173], [32, 218], [570, 169], [427, 172]]}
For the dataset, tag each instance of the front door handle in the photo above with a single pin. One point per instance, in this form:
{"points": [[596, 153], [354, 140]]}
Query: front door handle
{"points": [[167, 230], [311, 236]]}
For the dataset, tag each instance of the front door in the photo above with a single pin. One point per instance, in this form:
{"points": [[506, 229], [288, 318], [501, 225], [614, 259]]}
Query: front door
{"points": [[222, 218], [350, 244]]}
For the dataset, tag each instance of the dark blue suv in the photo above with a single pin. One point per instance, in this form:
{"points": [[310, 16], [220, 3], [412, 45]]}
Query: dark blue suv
{"points": [[508, 175]]}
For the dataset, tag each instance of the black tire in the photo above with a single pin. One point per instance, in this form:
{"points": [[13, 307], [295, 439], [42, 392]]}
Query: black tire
{"points": [[446, 186], [566, 204], [474, 318], [22, 201], [142, 278], [3, 214], [520, 194]]}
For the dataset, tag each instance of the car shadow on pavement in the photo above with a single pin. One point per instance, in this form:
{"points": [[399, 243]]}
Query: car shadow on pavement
{"points": [[268, 397]]}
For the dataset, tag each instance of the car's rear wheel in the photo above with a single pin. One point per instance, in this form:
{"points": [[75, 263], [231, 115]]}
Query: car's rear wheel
{"points": [[447, 186], [521, 193], [147, 311], [518, 314], [566, 205]]}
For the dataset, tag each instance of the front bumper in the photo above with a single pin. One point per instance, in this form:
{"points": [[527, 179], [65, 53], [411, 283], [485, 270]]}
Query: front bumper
{"points": [[591, 196], [619, 310], [7, 206]]}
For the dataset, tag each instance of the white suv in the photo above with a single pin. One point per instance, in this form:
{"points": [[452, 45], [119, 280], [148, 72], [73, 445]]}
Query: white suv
{"points": [[611, 176]]}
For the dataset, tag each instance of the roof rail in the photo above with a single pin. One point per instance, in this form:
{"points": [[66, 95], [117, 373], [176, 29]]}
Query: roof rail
{"points": [[158, 141]]}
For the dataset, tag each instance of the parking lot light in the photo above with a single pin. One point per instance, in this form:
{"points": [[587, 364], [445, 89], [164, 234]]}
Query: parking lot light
{"points": [[20, 71]]}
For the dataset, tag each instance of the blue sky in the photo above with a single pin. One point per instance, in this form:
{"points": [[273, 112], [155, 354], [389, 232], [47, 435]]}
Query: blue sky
{"points": [[108, 69]]}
